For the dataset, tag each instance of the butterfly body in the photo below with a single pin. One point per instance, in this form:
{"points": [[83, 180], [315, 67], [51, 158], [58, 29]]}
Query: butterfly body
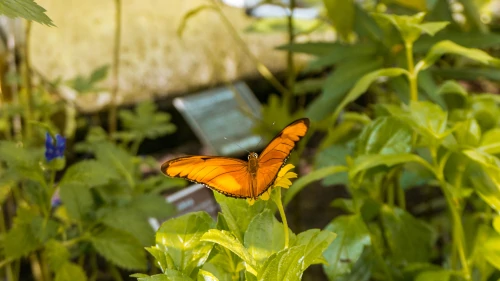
{"points": [[235, 177]]}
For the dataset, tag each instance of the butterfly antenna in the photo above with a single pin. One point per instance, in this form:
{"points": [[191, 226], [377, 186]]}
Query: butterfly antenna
{"points": [[238, 146]]}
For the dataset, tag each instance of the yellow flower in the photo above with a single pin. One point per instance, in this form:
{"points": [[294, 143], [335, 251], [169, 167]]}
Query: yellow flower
{"points": [[282, 180]]}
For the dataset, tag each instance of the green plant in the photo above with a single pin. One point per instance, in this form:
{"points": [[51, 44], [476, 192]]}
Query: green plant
{"points": [[450, 146], [246, 242]]}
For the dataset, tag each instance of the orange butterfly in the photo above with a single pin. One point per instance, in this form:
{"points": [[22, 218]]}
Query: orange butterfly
{"points": [[235, 177]]}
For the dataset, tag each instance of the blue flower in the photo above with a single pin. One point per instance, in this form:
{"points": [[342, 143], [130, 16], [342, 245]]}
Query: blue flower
{"points": [[54, 150]]}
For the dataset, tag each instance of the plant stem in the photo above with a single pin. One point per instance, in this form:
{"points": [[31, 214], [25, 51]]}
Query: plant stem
{"points": [[412, 78], [27, 93], [458, 239], [279, 204], [115, 68], [290, 58], [261, 68]]}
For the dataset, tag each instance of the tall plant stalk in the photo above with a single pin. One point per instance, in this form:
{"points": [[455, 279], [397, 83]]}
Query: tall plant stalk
{"points": [[27, 93], [290, 57], [112, 117]]}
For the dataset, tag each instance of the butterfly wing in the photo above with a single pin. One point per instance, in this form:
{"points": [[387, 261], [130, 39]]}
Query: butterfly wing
{"points": [[277, 151], [225, 175]]}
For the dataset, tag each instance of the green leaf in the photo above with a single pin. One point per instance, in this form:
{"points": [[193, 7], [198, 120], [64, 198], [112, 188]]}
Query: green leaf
{"points": [[316, 242], [27, 9], [70, 272], [411, 27], [428, 119], [230, 242], [120, 248], [44, 229], [264, 236], [19, 241], [22, 162], [302, 182], [77, 199], [339, 82], [118, 160], [341, 52], [204, 275], [180, 238], [468, 133], [466, 39], [352, 237], [308, 86], [490, 141], [341, 14], [385, 135], [57, 254], [485, 179], [366, 162], [485, 110], [99, 74], [448, 47], [409, 239], [434, 275], [489, 246], [364, 82], [90, 173], [284, 265], [146, 122], [238, 213], [169, 275], [454, 94], [129, 220]]}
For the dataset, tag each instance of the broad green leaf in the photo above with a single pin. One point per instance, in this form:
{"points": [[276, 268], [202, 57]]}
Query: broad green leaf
{"points": [[364, 82], [302, 182], [341, 14], [466, 39], [467, 73], [485, 180], [118, 160], [70, 272], [77, 199], [146, 122], [338, 83], [19, 241], [427, 83], [169, 275], [120, 248], [89, 173], [129, 220], [409, 239], [352, 237], [22, 162], [486, 111], [453, 94], [366, 162], [225, 260], [284, 265], [264, 236], [448, 47], [366, 26], [419, 5], [316, 242], [57, 254], [180, 239], [204, 275], [434, 275], [230, 242], [428, 119], [489, 248], [44, 229], [385, 135], [218, 272], [308, 86], [468, 133], [490, 142], [27, 9], [238, 213]]}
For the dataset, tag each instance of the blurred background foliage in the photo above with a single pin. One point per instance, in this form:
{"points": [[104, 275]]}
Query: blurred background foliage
{"points": [[403, 98]]}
